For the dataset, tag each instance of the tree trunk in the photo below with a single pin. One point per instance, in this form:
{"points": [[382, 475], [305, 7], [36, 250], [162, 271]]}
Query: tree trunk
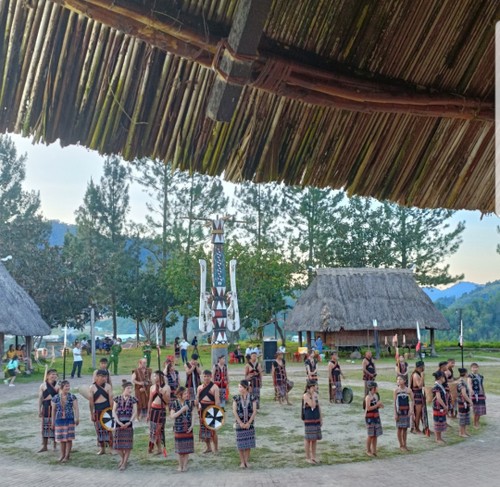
{"points": [[185, 328], [113, 308]]}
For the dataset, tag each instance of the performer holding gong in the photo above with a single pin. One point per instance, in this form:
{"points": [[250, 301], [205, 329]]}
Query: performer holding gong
{"points": [[100, 400], [208, 395]]}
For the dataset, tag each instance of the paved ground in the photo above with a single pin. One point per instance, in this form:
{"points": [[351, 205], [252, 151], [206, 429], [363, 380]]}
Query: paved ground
{"points": [[474, 462]]}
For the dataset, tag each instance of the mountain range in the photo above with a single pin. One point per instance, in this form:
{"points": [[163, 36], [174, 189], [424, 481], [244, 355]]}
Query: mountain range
{"points": [[452, 292]]}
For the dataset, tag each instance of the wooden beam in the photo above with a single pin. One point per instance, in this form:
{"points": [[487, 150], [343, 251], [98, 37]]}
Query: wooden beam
{"points": [[193, 39], [235, 68]]}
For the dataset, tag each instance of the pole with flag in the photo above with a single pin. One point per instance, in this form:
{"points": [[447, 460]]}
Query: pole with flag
{"points": [[425, 417]]}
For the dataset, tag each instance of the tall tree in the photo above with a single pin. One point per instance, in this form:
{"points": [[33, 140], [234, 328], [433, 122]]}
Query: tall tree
{"points": [[100, 250]]}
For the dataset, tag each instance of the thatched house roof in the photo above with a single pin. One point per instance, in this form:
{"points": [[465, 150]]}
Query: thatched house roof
{"points": [[349, 299], [19, 315], [386, 98]]}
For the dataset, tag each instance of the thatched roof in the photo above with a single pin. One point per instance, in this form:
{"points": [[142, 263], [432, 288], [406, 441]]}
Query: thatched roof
{"points": [[19, 315], [386, 98], [351, 298]]}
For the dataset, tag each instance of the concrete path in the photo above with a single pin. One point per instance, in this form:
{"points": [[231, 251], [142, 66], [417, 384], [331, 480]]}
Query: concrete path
{"points": [[474, 462]]}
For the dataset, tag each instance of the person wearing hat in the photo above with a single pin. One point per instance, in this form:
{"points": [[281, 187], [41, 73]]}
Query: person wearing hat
{"points": [[464, 403], [372, 418], [417, 384], [439, 406], [313, 420], [280, 379]]}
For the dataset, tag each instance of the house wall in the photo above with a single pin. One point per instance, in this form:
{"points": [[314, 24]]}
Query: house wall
{"points": [[364, 338]]}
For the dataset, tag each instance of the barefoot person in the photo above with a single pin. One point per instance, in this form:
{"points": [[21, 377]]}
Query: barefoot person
{"points": [[221, 378], [403, 410], [313, 420], [372, 419], [439, 406], [417, 388], [181, 411], [334, 379], [193, 374], [47, 391], [172, 379], [253, 374], [280, 378], [141, 378], [244, 411], [464, 403], [65, 416], [369, 370], [476, 387], [208, 395], [159, 399], [99, 400], [124, 413]]}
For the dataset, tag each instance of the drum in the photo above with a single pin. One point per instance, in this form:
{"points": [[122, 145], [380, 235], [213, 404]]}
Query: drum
{"points": [[213, 417], [347, 395], [106, 419]]}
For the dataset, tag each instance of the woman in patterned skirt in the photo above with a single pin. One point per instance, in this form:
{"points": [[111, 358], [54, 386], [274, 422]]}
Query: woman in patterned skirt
{"points": [[181, 411], [372, 405], [172, 378], [403, 410], [244, 410], [124, 413], [439, 406], [313, 420], [280, 379], [476, 388], [334, 379], [464, 403], [65, 416]]}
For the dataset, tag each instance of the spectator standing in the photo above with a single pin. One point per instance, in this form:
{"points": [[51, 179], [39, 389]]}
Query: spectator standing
{"points": [[184, 345], [77, 360], [116, 349]]}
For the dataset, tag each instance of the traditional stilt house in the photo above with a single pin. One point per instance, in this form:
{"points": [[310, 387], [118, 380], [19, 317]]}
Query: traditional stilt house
{"points": [[19, 314], [364, 307]]}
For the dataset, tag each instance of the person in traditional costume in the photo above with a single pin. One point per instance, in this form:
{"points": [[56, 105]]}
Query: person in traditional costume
{"points": [[372, 405], [124, 414], [253, 374], [99, 400], [313, 420], [478, 396], [401, 366], [181, 411], [443, 367], [244, 411], [439, 406], [193, 376], [65, 416], [221, 378], [451, 388], [103, 365], [47, 391], [114, 357], [369, 370], [177, 350], [159, 400], [464, 403], [280, 379], [141, 378], [311, 365], [208, 395], [417, 388], [172, 379], [403, 411], [334, 379]]}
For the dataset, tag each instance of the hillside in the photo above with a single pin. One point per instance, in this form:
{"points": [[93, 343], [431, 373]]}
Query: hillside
{"points": [[451, 293]]}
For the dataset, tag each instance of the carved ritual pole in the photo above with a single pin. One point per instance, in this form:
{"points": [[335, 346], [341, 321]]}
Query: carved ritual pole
{"points": [[215, 314]]}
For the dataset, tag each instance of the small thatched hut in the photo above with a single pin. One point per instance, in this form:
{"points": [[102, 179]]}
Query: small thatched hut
{"points": [[19, 314], [341, 305]]}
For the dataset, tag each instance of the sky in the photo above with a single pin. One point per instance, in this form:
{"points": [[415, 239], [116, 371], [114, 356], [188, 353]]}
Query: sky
{"points": [[61, 175]]}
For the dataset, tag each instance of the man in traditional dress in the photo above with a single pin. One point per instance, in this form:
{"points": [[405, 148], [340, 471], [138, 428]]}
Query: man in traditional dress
{"points": [[253, 374], [193, 374], [417, 387], [48, 389], [221, 378], [100, 397], [141, 378], [159, 398], [369, 370], [116, 349], [208, 395]]}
